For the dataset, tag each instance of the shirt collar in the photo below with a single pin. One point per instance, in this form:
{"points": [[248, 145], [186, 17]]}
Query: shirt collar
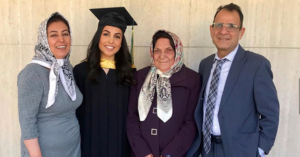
{"points": [[230, 56]]}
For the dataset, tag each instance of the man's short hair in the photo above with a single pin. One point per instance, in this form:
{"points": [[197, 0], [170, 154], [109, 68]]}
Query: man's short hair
{"points": [[231, 7]]}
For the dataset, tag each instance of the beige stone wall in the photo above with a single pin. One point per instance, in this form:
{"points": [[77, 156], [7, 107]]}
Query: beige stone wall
{"points": [[271, 30]]}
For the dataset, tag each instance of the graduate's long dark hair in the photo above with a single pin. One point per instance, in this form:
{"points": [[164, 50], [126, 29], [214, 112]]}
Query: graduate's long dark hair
{"points": [[122, 60]]}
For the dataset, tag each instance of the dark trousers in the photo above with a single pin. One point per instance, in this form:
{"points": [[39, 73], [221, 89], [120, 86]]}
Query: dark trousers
{"points": [[217, 150]]}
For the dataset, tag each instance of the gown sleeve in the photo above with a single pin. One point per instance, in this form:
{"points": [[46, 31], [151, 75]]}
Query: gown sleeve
{"points": [[80, 82]]}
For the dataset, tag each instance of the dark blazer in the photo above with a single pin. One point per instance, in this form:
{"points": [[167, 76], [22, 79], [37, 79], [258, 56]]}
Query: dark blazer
{"points": [[176, 135], [249, 108]]}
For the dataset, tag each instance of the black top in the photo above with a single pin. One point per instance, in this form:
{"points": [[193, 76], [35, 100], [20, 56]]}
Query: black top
{"points": [[102, 115]]}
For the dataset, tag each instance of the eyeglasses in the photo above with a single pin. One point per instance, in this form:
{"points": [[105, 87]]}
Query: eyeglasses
{"points": [[230, 27]]}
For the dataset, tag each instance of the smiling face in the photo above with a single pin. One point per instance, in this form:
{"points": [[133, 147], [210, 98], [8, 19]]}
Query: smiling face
{"points": [[163, 55], [59, 39], [110, 42], [226, 41]]}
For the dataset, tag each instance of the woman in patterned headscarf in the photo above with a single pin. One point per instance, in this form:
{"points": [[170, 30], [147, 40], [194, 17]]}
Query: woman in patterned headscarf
{"points": [[160, 120], [48, 95]]}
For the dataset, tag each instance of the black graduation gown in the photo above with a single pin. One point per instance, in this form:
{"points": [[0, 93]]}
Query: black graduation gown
{"points": [[102, 114]]}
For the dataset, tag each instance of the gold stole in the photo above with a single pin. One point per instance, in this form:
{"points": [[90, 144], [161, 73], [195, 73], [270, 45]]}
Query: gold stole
{"points": [[107, 64]]}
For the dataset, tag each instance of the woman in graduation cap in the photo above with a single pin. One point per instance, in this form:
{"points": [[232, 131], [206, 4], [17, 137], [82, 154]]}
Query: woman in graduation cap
{"points": [[160, 120], [48, 95], [104, 78]]}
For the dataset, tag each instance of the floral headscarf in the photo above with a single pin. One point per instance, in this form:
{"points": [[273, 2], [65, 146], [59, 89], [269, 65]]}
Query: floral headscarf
{"points": [[59, 70], [161, 85]]}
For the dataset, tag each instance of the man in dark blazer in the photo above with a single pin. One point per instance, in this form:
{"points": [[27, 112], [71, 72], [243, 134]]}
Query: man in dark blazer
{"points": [[238, 110]]}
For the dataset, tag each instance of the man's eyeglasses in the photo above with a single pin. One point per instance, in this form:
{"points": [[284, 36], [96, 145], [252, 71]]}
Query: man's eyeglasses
{"points": [[219, 26]]}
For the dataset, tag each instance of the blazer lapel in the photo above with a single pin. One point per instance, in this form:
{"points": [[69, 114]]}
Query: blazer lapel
{"points": [[177, 79], [234, 72]]}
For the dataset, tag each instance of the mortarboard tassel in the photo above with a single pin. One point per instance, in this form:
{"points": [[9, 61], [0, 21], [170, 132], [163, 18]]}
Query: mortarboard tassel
{"points": [[132, 47]]}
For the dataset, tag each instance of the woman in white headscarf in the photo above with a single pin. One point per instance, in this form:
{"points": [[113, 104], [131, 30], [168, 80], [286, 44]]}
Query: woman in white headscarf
{"points": [[160, 119], [48, 95]]}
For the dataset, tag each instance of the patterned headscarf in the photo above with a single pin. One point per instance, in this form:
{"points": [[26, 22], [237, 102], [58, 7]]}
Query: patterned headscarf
{"points": [[59, 70], [161, 85]]}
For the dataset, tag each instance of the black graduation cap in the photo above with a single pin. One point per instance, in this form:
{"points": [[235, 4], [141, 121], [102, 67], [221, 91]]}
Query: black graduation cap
{"points": [[117, 17]]}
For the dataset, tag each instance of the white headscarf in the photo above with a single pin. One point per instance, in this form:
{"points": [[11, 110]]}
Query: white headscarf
{"points": [[59, 70], [161, 84]]}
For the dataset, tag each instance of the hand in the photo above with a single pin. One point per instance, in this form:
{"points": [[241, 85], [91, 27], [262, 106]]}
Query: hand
{"points": [[33, 147], [149, 155]]}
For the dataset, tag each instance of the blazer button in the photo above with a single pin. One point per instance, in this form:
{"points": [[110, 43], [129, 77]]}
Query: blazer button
{"points": [[154, 111], [153, 131]]}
